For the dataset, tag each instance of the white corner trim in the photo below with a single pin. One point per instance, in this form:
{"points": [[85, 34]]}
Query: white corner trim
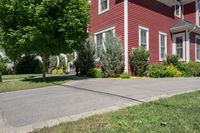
{"points": [[197, 12], [99, 7], [126, 36], [196, 37], [147, 29], [162, 33], [187, 46]]}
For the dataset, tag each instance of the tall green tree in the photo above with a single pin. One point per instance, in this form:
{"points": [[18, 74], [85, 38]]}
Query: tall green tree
{"points": [[44, 27]]}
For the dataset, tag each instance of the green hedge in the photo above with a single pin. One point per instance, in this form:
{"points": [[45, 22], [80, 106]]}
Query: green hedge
{"points": [[190, 69], [161, 71], [95, 73]]}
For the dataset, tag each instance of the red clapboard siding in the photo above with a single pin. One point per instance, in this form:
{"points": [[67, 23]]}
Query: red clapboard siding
{"points": [[190, 12], [113, 17], [150, 14], [155, 16]]}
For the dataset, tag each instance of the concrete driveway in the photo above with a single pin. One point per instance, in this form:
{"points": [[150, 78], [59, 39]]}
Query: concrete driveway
{"points": [[24, 111]]}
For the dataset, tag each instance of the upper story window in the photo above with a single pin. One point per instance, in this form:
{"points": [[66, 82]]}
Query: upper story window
{"points": [[144, 37], [103, 6], [177, 10]]}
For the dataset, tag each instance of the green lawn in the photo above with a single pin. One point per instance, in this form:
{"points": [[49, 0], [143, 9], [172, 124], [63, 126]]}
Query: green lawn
{"points": [[30, 81], [179, 114]]}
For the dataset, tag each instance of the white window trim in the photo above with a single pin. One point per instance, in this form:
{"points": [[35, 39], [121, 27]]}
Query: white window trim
{"points": [[180, 10], [99, 7], [147, 29], [196, 37], [184, 44], [165, 34], [103, 31]]}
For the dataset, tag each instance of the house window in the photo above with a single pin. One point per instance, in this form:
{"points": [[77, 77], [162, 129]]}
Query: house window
{"points": [[103, 6], [197, 48], [99, 43], [177, 10], [144, 37], [100, 38], [179, 45], [162, 45]]}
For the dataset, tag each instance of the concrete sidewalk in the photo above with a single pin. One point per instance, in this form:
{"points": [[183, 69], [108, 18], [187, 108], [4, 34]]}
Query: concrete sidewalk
{"points": [[24, 111]]}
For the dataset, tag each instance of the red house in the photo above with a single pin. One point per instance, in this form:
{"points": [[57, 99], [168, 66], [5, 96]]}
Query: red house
{"points": [[164, 27]]}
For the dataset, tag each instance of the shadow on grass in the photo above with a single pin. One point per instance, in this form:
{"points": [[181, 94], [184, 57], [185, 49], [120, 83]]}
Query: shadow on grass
{"points": [[53, 79]]}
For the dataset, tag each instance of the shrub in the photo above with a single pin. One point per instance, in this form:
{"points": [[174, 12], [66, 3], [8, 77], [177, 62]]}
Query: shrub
{"points": [[172, 71], [172, 60], [3, 67], [156, 71], [85, 59], [95, 73], [139, 61], [125, 76], [112, 57], [57, 72], [29, 64], [190, 69]]}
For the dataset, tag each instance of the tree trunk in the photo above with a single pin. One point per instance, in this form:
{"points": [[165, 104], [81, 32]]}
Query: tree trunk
{"points": [[45, 61], [1, 80], [14, 68]]}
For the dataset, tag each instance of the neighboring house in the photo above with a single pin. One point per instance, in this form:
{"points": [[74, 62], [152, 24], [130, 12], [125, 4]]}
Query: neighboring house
{"points": [[164, 27]]}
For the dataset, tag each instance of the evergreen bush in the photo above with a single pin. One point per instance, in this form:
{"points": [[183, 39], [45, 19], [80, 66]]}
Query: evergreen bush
{"points": [[111, 57], [139, 61], [85, 59]]}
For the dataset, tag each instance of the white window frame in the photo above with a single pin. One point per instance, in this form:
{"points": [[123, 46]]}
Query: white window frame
{"points": [[103, 31], [147, 36], [180, 10], [196, 37], [184, 44], [105, 10], [165, 34]]}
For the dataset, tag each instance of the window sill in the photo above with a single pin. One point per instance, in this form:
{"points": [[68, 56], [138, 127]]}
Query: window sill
{"points": [[102, 12]]}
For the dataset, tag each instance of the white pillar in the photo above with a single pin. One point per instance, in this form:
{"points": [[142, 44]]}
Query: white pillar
{"points": [[187, 46], [126, 36], [197, 12]]}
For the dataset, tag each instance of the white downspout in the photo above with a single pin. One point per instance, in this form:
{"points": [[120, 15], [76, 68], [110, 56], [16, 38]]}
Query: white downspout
{"points": [[197, 12], [126, 36]]}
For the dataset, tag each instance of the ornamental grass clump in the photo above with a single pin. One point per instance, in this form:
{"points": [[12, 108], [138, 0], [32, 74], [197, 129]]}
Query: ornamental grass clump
{"points": [[111, 57]]}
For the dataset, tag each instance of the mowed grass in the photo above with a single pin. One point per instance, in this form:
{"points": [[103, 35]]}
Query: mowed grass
{"points": [[30, 81], [178, 114]]}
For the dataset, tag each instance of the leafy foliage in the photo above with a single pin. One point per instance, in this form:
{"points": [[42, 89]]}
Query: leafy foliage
{"points": [[29, 64], [172, 60], [172, 71], [160, 71], [124, 76], [43, 27], [156, 71], [112, 57], [57, 72], [95, 73], [85, 59], [190, 69], [139, 61], [3, 66]]}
